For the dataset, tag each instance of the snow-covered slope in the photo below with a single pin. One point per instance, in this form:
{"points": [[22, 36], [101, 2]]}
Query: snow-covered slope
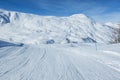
{"points": [[60, 62], [34, 29], [114, 25]]}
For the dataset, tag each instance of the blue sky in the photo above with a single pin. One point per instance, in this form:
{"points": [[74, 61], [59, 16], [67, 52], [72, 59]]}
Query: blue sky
{"points": [[100, 10]]}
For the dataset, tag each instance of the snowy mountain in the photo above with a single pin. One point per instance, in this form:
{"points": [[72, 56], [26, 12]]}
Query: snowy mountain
{"points": [[114, 25], [34, 29]]}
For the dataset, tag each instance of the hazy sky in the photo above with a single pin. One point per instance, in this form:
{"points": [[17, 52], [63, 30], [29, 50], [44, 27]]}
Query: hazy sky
{"points": [[100, 10]]}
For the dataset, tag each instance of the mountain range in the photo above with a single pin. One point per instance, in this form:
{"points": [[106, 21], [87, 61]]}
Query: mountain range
{"points": [[36, 29]]}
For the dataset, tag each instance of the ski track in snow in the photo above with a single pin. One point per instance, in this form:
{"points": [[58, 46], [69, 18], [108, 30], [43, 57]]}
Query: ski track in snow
{"points": [[113, 53], [55, 63]]}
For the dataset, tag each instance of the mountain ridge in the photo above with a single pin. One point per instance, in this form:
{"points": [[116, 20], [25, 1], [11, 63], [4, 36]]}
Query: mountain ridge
{"points": [[34, 29]]}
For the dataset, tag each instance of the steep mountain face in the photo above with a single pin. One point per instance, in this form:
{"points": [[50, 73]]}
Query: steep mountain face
{"points": [[4, 18], [116, 26], [34, 29]]}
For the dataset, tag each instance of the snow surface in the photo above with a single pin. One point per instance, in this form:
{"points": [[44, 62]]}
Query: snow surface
{"points": [[114, 25], [60, 62], [34, 29]]}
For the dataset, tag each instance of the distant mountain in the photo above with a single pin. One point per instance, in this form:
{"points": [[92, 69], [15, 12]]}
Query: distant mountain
{"points": [[114, 25], [34, 29]]}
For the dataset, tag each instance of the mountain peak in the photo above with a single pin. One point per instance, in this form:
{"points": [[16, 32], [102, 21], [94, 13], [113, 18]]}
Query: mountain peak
{"points": [[79, 15]]}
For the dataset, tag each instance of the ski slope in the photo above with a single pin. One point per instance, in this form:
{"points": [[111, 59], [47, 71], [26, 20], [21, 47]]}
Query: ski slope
{"points": [[60, 62]]}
